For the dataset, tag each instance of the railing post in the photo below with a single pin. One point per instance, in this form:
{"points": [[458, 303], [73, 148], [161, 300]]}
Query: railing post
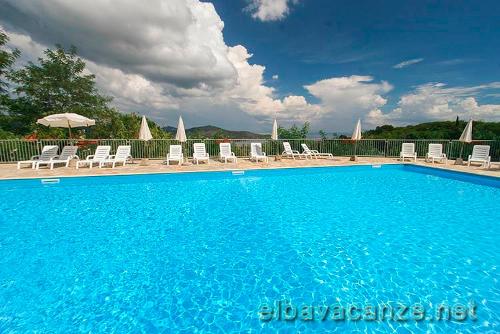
{"points": [[385, 148]]}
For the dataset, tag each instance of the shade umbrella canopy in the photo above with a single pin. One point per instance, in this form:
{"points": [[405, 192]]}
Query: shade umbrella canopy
{"points": [[466, 136], [66, 120], [274, 134], [356, 134], [144, 132], [181, 132]]}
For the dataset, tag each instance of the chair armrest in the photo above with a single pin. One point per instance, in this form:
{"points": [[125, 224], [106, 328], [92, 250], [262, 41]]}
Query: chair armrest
{"points": [[470, 156], [55, 158], [89, 157], [111, 156], [35, 157]]}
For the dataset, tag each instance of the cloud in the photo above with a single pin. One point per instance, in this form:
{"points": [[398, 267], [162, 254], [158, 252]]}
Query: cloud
{"points": [[345, 99], [269, 10], [436, 101], [275, 77], [407, 63], [169, 55], [175, 41]]}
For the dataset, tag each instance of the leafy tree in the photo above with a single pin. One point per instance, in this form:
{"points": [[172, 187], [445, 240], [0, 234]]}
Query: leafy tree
{"points": [[7, 59], [323, 135], [294, 132], [59, 83]]}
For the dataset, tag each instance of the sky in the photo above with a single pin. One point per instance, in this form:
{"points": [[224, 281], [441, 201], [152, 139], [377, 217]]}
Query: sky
{"points": [[239, 64]]}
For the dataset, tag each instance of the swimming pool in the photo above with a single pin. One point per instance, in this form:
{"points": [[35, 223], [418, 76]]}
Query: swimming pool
{"points": [[205, 252]]}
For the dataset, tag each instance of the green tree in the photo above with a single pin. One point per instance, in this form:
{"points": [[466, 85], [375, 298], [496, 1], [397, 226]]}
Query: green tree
{"points": [[59, 83], [294, 132], [7, 59]]}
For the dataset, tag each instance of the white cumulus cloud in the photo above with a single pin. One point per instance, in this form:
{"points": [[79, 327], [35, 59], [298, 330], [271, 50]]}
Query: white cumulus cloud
{"points": [[436, 101], [269, 10]]}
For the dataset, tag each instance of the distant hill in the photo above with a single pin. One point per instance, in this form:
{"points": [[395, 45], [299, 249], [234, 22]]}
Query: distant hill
{"points": [[210, 131], [436, 130]]}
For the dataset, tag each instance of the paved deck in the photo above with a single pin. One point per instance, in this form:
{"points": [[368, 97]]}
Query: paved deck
{"points": [[10, 171]]}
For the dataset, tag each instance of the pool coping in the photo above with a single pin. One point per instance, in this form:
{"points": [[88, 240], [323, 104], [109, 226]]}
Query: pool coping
{"points": [[441, 168]]}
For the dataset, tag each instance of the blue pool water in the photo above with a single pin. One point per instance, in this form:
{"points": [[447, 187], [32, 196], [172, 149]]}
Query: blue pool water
{"points": [[202, 253]]}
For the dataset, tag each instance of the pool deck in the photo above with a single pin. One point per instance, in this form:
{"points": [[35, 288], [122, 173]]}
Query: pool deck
{"points": [[10, 171]]}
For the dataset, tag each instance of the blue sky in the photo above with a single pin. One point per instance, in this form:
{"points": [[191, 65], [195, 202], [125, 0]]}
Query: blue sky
{"points": [[456, 41], [239, 64]]}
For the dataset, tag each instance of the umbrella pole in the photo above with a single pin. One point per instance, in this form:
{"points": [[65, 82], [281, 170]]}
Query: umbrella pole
{"points": [[69, 128], [459, 160], [354, 157]]}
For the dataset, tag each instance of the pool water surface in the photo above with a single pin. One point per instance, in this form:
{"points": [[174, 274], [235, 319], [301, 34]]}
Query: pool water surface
{"points": [[203, 252]]}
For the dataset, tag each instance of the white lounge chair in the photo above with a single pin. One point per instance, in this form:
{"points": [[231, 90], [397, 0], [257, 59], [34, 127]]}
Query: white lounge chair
{"points": [[67, 154], [226, 154], [122, 156], [200, 153], [101, 154], [480, 154], [436, 153], [314, 153], [257, 154], [288, 152], [408, 151], [175, 154], [48, 153]]}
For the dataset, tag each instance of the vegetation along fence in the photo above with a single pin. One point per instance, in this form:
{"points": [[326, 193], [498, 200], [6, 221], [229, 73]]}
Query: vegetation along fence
{"points": [[12, 150]]}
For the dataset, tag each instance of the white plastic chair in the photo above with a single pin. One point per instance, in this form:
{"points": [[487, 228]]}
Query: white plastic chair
{"points": [[101, 153], [121, 156], [435, 152], [200, 153], [314, 153], [67, 154], [480, 154], [48, 153], [226, 154], [175, 154], [288, 152], [408, 151], [257, 154]]}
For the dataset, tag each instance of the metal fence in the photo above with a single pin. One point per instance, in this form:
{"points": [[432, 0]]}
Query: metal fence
{"points": [[12, 150]]}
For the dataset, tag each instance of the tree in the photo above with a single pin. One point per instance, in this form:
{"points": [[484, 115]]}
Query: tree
{"points": [[323, 135], [7, 59], [59, 84], [294, 132]]}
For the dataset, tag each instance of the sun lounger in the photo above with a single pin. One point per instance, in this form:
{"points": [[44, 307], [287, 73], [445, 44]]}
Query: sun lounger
{"points": [[256, 153], [67, 154], [200, 153], [480, 154], [314, 153], [408, 151], [101, 153], [121, 156], [175, 154], [48, 153], [226, 154], [288, 152], [436, 153]]}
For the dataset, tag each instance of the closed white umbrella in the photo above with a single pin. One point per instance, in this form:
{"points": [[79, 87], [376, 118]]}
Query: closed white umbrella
{"points": [[144, 132], [274, 134], [356, 135], [181, 132], [66, 120], [466, 137]]}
